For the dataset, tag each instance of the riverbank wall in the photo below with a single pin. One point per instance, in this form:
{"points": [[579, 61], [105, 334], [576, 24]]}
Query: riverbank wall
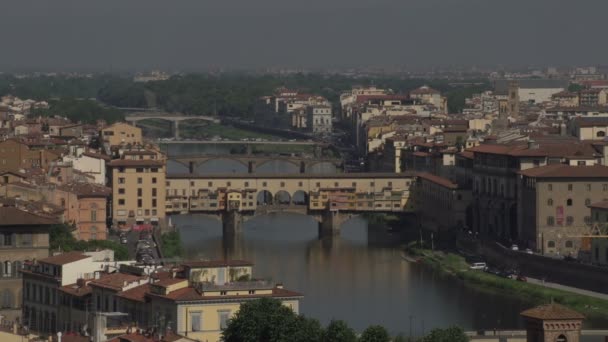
{"points": [[584, 276]]}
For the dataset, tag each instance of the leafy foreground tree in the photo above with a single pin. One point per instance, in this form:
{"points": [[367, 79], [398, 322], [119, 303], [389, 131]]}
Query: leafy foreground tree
{"points": [[339, 331], [269, 320], [375, 333], [451, 334]]}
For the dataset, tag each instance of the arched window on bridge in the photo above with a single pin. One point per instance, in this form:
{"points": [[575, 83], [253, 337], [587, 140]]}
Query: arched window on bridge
{"points": [[264, 198], [282, 197]]}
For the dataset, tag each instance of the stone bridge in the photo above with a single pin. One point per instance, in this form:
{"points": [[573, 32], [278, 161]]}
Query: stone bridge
{"points": [[305, 164], [175, 118], [330, 199]]}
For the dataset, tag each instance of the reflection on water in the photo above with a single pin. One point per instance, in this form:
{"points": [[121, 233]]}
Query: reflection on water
{"points": [[358, 277]]}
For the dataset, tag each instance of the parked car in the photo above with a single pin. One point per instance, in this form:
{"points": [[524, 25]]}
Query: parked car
{"points": [[124, 240], [522, 278], [529, 251], [514, 248], [479, 266]]}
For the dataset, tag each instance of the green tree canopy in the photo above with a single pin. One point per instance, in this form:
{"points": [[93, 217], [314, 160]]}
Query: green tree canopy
{"points": [[262, 320], [62, 239], [375, 333], [451, 334], [338, 331], [575, 88]]}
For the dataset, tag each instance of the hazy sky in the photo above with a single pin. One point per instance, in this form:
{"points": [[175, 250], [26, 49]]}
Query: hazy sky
{"points": [[198, 34]]}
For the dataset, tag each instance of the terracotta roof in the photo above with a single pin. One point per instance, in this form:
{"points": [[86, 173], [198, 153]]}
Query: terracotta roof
{"points": [[137, 294], [126, 162], [216, 263], [139, 153], [191, 294], [548, 148], [75, 290], [97, 155], [64, 258], [567, 171], [115, 281], [438, 180], [599, 205], [12, 216], [552, 312], [166, 282], [466, 154], [564, 93], [86, 189]]}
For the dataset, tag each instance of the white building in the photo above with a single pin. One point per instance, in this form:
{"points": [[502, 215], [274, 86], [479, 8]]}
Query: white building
{"points": [[92, 164], [319, 119]]}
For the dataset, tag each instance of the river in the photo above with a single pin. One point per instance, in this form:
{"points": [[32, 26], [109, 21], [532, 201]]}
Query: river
{"points": [[359, 277]]}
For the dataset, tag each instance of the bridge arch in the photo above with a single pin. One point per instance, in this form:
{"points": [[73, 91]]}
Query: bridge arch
{"points": [[265, 197], [282, 197], [278, 166], [300, 197], [322, 167], [220, 165]]}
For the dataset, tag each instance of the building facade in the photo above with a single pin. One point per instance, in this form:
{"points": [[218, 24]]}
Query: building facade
{"points": [[554, 202], [121, 133], [319, 119], [138, 188], [23, 236]]}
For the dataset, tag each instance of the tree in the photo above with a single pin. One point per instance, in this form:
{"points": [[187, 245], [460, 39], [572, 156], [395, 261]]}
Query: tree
{"points": [[451, 334], [338, 331], [575, 88], [307, 330], [265, 319], [375, 333], [61, 239]]}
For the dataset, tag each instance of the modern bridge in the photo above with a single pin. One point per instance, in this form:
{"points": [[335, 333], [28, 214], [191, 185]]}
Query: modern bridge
{"points": [[175, 118], [329, 198]]}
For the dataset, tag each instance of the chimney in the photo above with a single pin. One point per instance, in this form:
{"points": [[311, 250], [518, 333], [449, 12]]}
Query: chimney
{"points": [[532, 145]]}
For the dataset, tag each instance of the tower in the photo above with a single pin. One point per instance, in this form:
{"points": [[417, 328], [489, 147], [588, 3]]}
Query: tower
{"points": [[513, 99], [552, 323]]}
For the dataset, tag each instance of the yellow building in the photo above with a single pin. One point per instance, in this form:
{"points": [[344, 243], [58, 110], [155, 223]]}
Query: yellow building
{"points": [[138, 188], [121, 133], [198, 299]]}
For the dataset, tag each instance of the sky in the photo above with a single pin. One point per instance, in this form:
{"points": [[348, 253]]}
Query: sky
{"points": [[203, 34]]}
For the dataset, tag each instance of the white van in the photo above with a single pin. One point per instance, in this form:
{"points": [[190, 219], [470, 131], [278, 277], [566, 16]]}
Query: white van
{"points": [[478, 266]]}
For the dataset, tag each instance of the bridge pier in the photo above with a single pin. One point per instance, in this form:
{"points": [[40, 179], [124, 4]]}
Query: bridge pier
{"points": [[302, 167], [232, 222], [176, 129], [251, 167], [330, 222]]}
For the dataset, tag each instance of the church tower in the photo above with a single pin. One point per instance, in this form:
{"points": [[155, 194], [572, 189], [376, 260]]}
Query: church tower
{"points": [[513, 99]]}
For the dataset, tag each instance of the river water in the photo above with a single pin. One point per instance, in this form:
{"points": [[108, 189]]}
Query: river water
{"points": [[359, 276]]}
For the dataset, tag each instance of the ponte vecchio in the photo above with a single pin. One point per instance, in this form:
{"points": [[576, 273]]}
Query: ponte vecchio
{"points": [[329, 198]]}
